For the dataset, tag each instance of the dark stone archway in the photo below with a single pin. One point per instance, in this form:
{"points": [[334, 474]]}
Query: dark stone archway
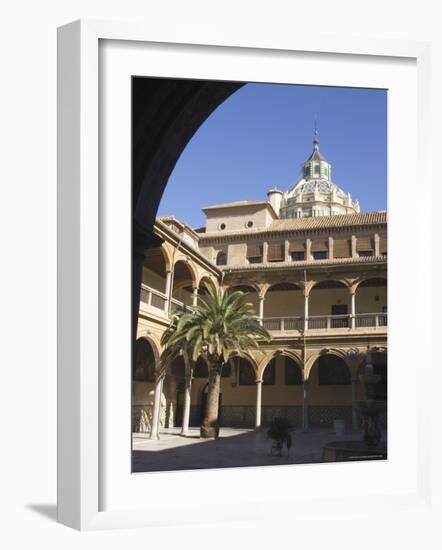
{"points": [[165, 115]]}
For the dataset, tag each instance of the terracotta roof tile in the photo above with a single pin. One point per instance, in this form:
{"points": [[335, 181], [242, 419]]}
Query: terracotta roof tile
{"points": [[307, 263], [303, 224]]}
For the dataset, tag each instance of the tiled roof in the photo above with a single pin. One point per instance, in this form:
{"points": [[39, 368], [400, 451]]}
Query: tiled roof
{"points": [[235, 204], [320, 222], [307, 263], [313, 223]]}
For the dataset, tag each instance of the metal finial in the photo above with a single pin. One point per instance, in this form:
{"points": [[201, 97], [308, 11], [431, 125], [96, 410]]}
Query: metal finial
{"points": [[316, 133]]}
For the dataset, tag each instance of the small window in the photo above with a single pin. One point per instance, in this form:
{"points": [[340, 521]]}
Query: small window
{"points": [[297, 256], [365, 253], [221, 258], [255, 260], [249, 224], [222, 226], [316, 169], [320, 255]]}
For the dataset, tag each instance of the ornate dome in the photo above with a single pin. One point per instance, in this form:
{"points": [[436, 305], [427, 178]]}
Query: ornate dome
{"points": [[318, 185], [315, 194]]}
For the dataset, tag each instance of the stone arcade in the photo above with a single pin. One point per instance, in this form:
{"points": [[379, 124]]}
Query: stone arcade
{"points": [[314, 267]]}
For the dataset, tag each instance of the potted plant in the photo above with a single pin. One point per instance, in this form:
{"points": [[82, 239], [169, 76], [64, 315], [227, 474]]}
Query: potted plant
{"points": [[279, 433]]}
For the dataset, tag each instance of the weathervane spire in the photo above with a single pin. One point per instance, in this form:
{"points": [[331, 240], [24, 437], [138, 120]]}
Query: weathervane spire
{"points": [[316, 134]]}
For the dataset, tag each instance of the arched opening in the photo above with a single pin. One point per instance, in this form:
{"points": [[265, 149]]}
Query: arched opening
{"points": [[283, 307], [330, 395], [183, 285], [144, 367], [371, 303], [153, 289], [329, 306], [250, 295], [282, 390], [143, 378]]}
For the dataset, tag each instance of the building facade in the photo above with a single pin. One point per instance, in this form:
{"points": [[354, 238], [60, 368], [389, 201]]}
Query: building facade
{"points": [[314, 267]]}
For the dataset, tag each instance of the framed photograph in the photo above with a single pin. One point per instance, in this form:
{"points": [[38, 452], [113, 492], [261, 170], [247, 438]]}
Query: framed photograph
{"points": [[224, 320]]}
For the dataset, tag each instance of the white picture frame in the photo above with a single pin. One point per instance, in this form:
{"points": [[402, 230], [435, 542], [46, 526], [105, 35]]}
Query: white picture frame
{"points": [[82, 450]]}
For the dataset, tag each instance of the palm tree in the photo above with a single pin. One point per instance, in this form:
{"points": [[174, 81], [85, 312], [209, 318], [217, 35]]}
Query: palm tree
{"points": [[220, 323]]}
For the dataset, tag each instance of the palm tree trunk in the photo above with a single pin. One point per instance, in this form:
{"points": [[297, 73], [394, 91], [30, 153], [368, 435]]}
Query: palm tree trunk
{"points": [[210, 425]]}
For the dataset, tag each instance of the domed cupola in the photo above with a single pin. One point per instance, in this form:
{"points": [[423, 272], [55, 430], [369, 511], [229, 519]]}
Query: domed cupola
{"points": [[315, 194], [316, 166]]}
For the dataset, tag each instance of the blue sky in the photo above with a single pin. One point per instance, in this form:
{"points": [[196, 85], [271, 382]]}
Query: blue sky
{"points": [[260, 136]]}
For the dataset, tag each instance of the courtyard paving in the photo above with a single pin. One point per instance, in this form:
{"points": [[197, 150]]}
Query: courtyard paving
{"points": [[235, 447]]}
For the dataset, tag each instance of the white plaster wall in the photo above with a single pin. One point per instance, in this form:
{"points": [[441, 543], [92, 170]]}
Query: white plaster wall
{"points": [[366, 299], [236, 254], [284, 303], [321, 300], [236, 218]]}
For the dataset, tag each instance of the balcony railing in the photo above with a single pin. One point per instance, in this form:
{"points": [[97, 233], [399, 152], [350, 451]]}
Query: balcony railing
{"points": [[282, 324], [325, 322], [370, 320], [152, 298]]}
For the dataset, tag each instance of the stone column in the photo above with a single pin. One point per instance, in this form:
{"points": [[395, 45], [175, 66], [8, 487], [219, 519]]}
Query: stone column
{"points": [[265, 247], [286, 251], [306, 298], [186, 406], [258, 403], [168, 290], [377, 241], [195, 296], [352, 307], [156, 409], [354, 253], [330, 248], [308, 249], [305, 406], [354, 412], [261, 307]]}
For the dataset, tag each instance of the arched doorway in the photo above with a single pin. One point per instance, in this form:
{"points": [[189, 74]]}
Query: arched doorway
{"points": [[282, 390], [329, 391], [143, 383]]}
